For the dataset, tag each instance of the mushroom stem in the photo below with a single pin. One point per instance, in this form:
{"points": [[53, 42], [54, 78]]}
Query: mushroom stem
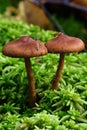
{"points": [[56, 78], [31, 82]]}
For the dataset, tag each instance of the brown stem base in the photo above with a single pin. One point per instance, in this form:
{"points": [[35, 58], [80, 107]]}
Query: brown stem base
{"points": [[31, 83], [56, 78]]}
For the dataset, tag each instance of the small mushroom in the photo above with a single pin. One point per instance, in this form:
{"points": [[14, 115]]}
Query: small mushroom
{"points": [[63, 44], [26, 47]]}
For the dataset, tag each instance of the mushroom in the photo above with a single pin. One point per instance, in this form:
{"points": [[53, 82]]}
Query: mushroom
{"points": [[63, 44], [26, 47]]}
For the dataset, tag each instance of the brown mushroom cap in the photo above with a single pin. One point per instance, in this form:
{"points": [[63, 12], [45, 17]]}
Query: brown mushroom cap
{"points": [[64, 44], [24, 47]]}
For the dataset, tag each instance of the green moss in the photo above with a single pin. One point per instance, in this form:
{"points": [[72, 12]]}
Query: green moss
{"points": [[65, 108]]}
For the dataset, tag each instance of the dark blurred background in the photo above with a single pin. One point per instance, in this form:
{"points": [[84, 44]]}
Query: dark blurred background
{"points": [[68, 16]]}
